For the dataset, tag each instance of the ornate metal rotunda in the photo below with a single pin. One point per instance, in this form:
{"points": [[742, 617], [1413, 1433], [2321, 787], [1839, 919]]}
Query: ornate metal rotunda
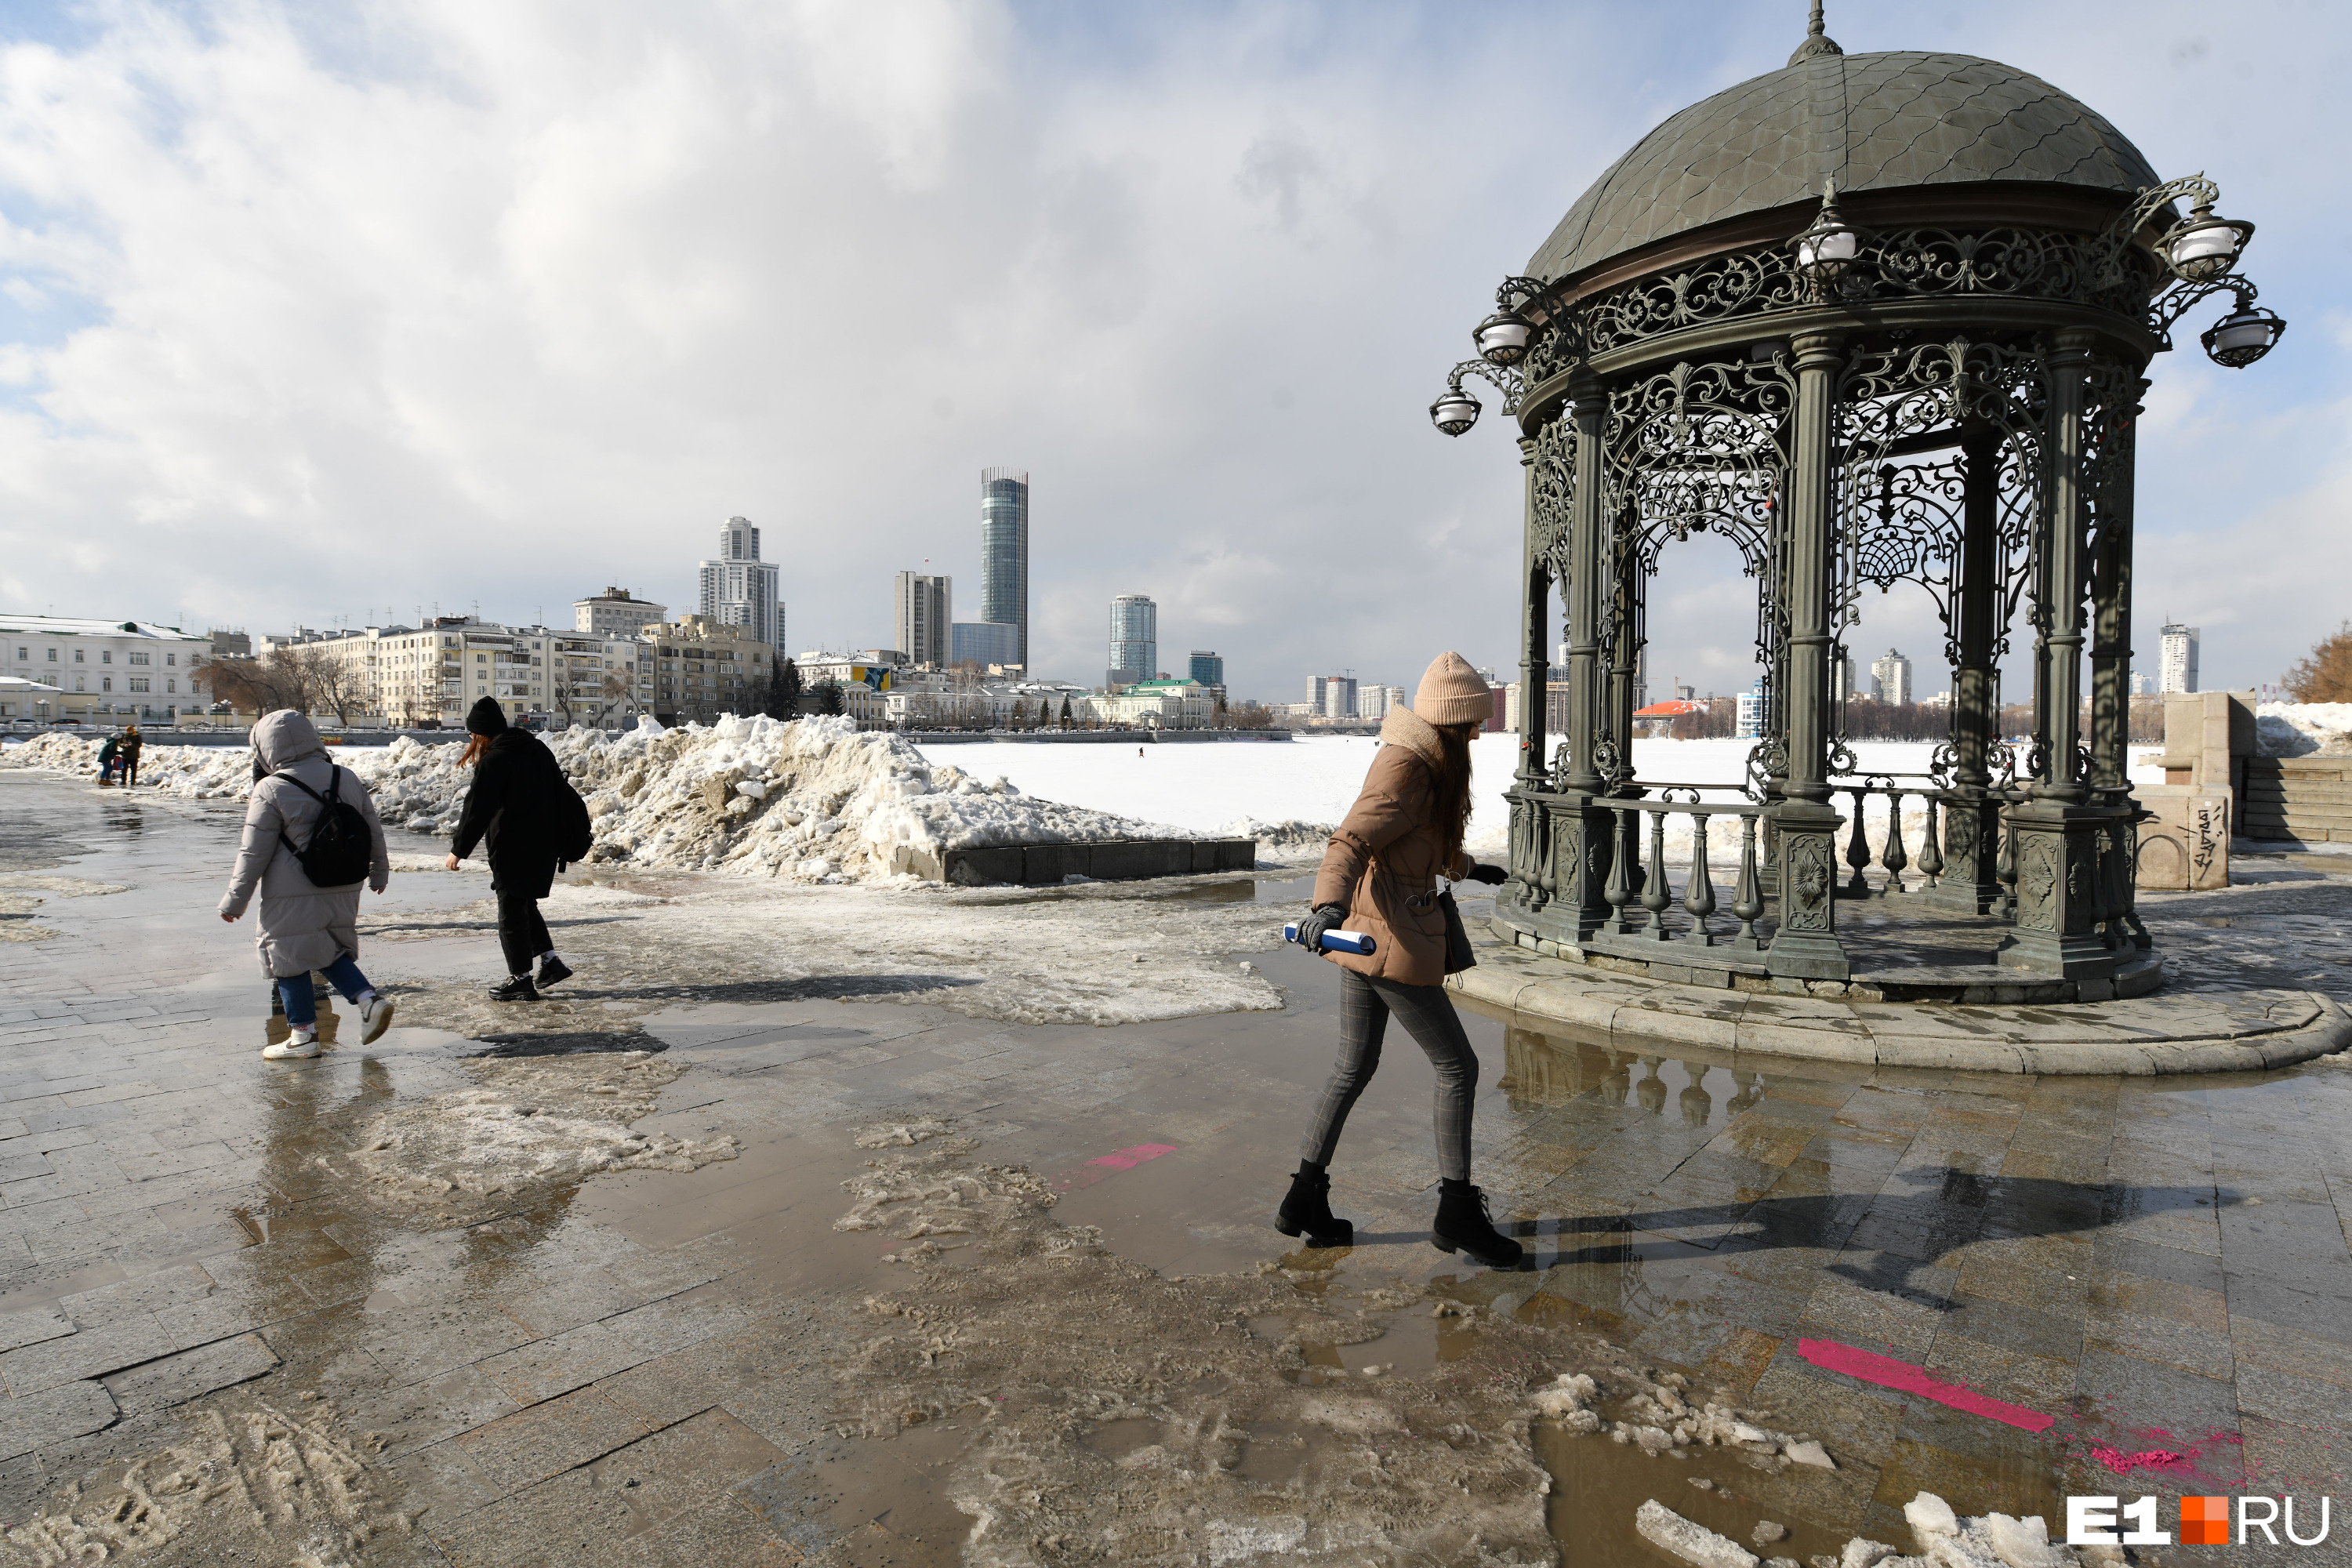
{"points": [[1869, 318]]}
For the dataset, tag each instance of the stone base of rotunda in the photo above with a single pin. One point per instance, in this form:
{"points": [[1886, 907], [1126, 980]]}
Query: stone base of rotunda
{"points": [[2006, 1027]]}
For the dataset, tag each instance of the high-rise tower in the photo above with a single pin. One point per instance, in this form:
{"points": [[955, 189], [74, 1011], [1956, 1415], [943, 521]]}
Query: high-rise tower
{"points": [[739, 589], [1134, 640], [1004, 551], [923, 611], [2177, 659]]}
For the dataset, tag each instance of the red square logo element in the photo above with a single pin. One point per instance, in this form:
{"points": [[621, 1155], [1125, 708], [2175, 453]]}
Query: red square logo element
{"points": [[2204, 1521]]}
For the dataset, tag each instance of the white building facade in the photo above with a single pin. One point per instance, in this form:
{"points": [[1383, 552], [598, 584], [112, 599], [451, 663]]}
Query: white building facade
{"points": [[105, 672], [2177, 659], [1890, 677], [407, 675]]}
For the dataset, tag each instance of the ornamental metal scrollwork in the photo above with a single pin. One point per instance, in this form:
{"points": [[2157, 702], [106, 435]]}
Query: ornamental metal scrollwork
{"points": [[1897, 264], [1553, 496], [1697, 448], [1767, 760], [1913, 535], [1611, 763]]}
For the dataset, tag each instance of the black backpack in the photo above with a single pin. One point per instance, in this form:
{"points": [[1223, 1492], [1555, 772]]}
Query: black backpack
{"points": [[341, 847], [575, 835]]}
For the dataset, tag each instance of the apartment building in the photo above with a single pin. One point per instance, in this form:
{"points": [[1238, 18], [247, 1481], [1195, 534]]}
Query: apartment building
{"points": [[104, 672], [703, 668], [406, 676]]}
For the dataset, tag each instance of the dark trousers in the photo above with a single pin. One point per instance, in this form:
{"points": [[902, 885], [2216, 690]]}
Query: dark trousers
{"points": [[522, 932], [1429, 1017]]}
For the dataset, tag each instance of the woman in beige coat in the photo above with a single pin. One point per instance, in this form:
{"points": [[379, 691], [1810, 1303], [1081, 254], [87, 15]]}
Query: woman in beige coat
{"points": [[303, 926], [1380, 876]]}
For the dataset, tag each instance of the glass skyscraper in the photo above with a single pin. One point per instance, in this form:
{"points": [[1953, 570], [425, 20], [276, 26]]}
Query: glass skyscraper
{"points": [[1005, 552], [1134, 640], [1206, 667]]}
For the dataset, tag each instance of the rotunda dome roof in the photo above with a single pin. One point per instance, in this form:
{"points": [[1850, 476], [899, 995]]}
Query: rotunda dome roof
{"points": [[1872, 123]]}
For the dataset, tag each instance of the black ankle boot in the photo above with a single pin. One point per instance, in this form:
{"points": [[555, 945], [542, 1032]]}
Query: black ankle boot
{"points": [[1463, 1223], [1308, 1208]]}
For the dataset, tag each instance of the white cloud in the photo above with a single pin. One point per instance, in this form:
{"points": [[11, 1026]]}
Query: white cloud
{"points": [[334, 314]]}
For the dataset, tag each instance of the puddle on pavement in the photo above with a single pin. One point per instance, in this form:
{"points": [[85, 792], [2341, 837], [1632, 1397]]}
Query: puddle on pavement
{"points": [[562, 1043]]}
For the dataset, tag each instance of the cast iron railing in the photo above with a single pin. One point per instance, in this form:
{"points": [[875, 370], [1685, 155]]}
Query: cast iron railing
{"points": [[1638, 891]]}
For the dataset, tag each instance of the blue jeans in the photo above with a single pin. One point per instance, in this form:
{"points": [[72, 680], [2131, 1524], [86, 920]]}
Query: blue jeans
{"points": [[302, 1007]]}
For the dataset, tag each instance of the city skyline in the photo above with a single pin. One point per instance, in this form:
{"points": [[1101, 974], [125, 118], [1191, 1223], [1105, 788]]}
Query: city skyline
{"points": [[561, 368]]}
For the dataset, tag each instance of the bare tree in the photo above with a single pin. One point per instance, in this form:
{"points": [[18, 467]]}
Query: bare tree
{"points": [[331, 684], [2324, 674]]}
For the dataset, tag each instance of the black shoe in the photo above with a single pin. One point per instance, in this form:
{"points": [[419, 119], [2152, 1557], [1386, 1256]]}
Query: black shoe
{"points": [[1308, 1208], [552, 970], [518, 989], [1462, 1223]]}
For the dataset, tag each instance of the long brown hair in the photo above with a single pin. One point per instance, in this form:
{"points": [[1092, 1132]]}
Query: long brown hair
{"points": [[1452, 777], [474, 746]]}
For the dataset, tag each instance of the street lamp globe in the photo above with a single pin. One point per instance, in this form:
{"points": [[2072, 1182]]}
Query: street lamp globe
{"points": [[2205, 247], [1827, 247], [1455, 412], [1502, 337], [2242, 336]]}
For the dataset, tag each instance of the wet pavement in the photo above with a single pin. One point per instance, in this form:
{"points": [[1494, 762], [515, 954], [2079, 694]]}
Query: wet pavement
{"points": [[231, 1293]]}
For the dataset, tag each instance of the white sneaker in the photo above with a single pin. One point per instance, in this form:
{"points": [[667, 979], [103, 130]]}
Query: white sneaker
{"points": [[299, 1045], [375, 1017]]}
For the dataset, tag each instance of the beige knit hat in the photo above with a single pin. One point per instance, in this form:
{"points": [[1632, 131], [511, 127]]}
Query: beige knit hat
{"points": [[1452, 693]]}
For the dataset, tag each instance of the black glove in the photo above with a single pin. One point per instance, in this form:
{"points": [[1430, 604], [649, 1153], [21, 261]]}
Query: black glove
{"points": [[1493, 876], [1311, 929]]}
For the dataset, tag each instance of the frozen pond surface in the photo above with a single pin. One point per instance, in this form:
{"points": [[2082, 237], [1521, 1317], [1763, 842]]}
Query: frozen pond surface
{"points": [[1206, 785]]}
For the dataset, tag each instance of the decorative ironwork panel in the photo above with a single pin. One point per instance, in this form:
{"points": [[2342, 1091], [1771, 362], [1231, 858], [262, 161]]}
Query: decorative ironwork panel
{"points": [[1913, 393], [1554, 494], [1899, 264], [1698, 448]]}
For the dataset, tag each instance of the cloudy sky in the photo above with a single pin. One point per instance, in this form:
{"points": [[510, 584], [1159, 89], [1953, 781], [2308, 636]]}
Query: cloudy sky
{"points": [[324, 314]]}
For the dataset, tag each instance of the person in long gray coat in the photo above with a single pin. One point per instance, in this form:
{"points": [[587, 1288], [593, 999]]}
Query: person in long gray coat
{"points": [[303, 926]]}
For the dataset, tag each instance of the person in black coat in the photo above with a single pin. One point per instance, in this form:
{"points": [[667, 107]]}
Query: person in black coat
{"points": [[511, 812]]}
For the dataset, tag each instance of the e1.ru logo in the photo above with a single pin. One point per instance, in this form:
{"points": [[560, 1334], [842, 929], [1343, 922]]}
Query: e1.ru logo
{"points": [[2204, 1521]]}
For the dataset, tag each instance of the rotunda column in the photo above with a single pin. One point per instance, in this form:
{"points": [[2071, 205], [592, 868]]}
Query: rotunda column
{"points": [[1971, 819], [1806, 945]]}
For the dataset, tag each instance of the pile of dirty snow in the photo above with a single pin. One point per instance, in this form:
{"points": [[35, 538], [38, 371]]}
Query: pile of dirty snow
{"points": [[815, 801], [2303, 729]]}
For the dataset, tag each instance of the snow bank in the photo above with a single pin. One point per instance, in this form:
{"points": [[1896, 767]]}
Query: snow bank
{"points": [[815, 801], [2303, 728]]}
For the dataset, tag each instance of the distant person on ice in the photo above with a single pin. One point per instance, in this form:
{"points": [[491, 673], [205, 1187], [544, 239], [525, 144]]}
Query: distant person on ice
{"points": [[308, 818], [518, 810], [1380, 876]]}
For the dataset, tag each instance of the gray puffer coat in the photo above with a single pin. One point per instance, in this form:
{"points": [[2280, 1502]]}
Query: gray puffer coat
{"points": [[302, 926]]}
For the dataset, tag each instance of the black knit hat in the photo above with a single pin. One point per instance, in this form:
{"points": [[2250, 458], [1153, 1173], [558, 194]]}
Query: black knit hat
{"points": [[487, 718]]}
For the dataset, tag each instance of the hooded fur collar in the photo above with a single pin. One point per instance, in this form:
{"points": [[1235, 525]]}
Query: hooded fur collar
{"points": [[1405, 728]]}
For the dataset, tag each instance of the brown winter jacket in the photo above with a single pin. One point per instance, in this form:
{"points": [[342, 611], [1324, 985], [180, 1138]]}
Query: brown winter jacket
{"points": [[1384, 861]]}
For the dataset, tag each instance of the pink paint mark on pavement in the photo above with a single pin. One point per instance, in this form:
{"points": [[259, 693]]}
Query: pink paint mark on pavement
{"points": [[1107, 1165], [2124, 1464], [1129, 1159], [1888, 1373], [2180, 1461]]}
